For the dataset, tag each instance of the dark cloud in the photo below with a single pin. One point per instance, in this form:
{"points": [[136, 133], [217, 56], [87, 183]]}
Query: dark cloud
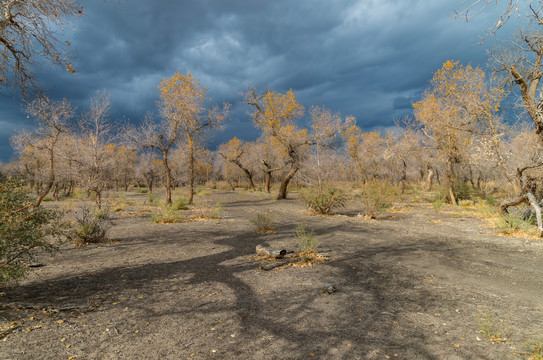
{"points": [[369, 59]]}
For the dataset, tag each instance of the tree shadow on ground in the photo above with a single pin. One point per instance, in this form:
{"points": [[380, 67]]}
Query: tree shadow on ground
{"points": [[359, 321]]}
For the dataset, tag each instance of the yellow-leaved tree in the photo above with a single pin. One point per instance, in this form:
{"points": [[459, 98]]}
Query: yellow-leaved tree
{"points": [[183, 103], [458, 104], [276, 115], [185, 116], [234, 152]]}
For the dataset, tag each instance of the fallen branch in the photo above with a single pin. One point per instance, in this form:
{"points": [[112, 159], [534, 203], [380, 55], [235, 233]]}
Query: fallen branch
{"points": [[280, 263], [529, 198], [9, 331], [68, 307]]}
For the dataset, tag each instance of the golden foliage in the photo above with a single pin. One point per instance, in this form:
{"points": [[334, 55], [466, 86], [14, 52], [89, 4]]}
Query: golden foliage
{"points": [[278, 111], [458, 102]]}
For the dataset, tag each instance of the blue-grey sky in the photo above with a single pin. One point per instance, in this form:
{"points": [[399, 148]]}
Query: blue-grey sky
{"points": [[366, 58]]}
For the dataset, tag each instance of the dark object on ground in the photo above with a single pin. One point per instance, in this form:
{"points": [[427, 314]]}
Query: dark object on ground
{"points": [[329, 289], [278, 254]]}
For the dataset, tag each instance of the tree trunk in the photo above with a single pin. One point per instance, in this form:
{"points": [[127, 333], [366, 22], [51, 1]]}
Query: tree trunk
{"points": [[168, 178], [191, 171], [429, 179], [268, 181], [537, 209], [284, 183], [403, 180], [450, 180], [528, 197], [246, 171], [51, 180], [451, 194]]}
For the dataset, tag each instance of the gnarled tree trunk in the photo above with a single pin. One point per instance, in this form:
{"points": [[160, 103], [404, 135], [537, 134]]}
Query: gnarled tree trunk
{"points": [[284, 183]]}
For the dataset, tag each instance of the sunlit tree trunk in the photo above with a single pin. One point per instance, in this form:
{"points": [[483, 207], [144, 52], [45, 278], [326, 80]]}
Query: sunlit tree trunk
{"points": [[284, 183]]}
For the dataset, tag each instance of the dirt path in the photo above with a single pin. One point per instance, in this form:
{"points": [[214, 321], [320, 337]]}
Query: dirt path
{"points": [[410, 286]]}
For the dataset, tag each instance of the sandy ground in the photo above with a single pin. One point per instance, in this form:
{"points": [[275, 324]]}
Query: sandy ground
{"points": [[414, 284]]}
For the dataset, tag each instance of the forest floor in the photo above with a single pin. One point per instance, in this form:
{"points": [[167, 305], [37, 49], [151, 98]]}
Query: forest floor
{"points": [[416, 283]]}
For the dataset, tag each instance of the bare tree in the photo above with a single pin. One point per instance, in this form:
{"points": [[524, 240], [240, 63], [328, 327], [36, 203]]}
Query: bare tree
{"points": [[52, 119], [147, 169], [95, 156], [160, 136], [532, 9], [27, 33], [235, 151]]}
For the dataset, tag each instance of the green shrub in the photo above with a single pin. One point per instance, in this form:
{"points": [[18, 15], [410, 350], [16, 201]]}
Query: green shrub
{"points": [[91, 225], [80, 194], [48, 197], [377, 197], [23, 228], [179, 204], [151, 200], [168, 215], [490, 200], [142, 190], [264, 223], [323, 200], [306, 239], [510, 223], [438, 202], [202, 192], [217, 211]]}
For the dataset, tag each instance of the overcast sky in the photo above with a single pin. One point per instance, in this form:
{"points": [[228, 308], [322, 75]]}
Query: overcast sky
{"points": [[367, 58]]}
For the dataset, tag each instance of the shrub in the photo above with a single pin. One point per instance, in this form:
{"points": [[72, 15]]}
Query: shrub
{"points": [[217, 211], [323, 200], [179, 204], [151, 200], [168, 215], [438, 202], [488, 326], [80, 194], [377, 197], [207, 213], [306, 239], [264, 223], [91, 225], [511, 223], [202, 192], [23, 228], [490, 200]]}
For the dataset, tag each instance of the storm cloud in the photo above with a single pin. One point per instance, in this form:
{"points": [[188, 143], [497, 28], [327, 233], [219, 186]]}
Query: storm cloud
{"points": [[370, 59]]}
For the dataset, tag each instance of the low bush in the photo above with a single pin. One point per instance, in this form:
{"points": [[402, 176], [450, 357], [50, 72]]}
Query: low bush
{"points": [[377, 197], [209, 213], [152, 200], [217, 211], [264, 223], [323, 200], [511, 223], [24, 228], [91, 225], [438, 201], [168, 215], [179, 204], [306, 239]]}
